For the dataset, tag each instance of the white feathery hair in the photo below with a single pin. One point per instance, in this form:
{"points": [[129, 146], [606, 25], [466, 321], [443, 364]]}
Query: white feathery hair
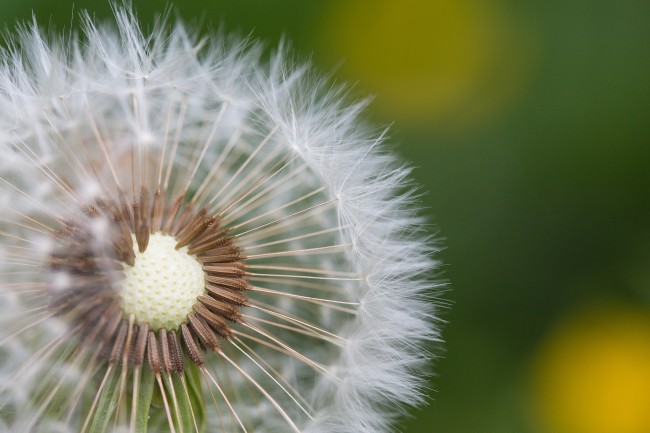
{"points": [[294, 167]]}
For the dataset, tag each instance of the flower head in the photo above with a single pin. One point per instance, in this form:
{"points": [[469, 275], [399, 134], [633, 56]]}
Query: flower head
{"points": [[193, 240]]}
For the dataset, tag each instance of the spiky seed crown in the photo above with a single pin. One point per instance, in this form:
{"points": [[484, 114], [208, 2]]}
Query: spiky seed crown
{"points": [[122, 135]]}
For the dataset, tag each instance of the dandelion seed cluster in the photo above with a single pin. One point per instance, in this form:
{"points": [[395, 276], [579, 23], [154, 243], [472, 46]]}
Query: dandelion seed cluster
{"points": [[194, 240]]}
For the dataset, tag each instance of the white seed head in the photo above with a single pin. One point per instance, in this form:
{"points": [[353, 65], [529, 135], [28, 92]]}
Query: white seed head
{"points": [[300, 298], [163, 284]]}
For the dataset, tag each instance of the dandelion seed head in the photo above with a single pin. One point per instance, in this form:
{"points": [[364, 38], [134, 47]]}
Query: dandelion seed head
{"points": [[190, 225]]}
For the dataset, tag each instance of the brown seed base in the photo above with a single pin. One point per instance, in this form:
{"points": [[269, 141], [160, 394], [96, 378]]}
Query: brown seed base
{"points": [[85, 271]]}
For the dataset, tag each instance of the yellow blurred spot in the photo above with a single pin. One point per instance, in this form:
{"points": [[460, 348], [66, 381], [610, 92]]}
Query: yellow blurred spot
{"points": [[593, 374], [451, 62], [425, 60]]}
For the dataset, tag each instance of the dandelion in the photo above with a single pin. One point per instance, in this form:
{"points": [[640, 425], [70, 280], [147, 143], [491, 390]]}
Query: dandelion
{"points": [[193, 240]]}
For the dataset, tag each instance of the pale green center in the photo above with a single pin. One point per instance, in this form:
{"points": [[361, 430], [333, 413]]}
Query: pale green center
{"points": [[162, 286]]}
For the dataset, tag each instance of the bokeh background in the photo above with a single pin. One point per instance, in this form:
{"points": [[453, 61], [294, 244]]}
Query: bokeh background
{"points": [[529, 125]]}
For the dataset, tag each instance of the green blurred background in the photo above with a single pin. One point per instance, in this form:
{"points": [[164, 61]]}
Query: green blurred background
{"points": [[529, 123]]}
